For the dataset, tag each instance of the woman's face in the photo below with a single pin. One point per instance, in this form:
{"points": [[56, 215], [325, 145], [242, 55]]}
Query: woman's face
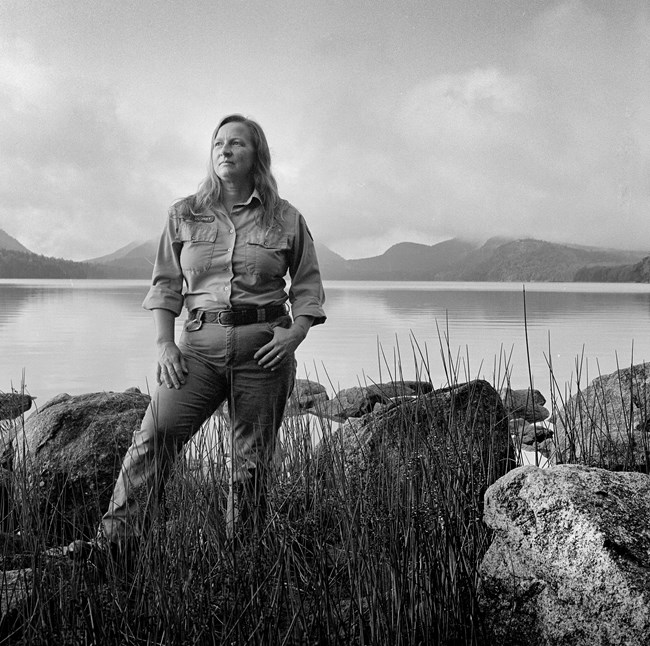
{"points": [[233, 152]]}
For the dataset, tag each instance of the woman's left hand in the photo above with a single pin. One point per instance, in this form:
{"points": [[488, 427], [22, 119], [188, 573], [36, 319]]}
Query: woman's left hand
{"points": [[282, 346]]}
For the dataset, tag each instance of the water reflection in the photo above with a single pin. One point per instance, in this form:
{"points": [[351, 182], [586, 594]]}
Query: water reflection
{"points": [[480, 325], [55, 296], [93, 335], [495, 303], [74, 336]]}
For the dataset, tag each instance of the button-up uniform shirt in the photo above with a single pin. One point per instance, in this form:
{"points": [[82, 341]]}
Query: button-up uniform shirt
{"points": [[217, 261]]}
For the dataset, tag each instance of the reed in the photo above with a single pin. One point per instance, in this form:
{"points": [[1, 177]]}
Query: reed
{"points": [[375, 556]]}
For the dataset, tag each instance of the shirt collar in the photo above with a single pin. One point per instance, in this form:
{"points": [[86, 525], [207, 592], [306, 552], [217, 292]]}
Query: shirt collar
{"points": [[254, 196]]}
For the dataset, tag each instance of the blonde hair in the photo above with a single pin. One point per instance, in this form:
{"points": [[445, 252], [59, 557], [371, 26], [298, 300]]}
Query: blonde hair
{"points": [[209, 190]]}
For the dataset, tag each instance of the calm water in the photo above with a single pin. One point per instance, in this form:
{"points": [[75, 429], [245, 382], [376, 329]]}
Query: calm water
{"points": [[84, 336]]}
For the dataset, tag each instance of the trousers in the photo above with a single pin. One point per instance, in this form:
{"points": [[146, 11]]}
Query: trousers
{"points": [[221, 368]]}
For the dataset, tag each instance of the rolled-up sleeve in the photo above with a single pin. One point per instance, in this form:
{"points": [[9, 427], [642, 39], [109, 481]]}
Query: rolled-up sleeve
{"points": [[166, 291], [306, 293]]}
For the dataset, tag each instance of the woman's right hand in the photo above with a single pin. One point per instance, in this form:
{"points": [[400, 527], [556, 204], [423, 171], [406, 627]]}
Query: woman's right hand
{"points": [[172, 367]]}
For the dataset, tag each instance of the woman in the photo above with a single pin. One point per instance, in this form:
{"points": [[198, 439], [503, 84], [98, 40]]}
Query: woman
{"points": [[223, 255]]}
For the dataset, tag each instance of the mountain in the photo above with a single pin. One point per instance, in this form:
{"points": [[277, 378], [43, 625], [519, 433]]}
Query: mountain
{"points": [[16, 261], [536, 260], [135, 260], [116, 255], [633, 273], [412, 261], [10, 243], [499, 259], [20, 264], [332, 266]]}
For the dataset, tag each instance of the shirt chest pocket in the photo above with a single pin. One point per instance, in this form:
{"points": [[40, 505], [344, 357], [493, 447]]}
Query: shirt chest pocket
{"points": [[267, 255], [198, 245]]}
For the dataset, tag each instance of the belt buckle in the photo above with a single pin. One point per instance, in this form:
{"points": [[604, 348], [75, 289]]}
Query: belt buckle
{"points": [[220, 314], [195, 324]]}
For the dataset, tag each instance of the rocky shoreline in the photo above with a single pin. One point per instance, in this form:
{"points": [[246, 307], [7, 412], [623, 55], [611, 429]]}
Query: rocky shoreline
{"points": [[569, 561]]}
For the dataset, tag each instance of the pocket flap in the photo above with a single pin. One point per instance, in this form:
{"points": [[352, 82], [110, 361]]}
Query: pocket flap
{"points": [[197, 232]]}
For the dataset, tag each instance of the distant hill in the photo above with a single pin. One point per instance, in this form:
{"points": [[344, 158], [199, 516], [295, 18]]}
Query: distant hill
{"points": [[135, 260], [332, 266], [10, 243], [536, 260], [499, 259], [20, 264], [633, 273], [116, 255], [16, 261], [412, 261]]}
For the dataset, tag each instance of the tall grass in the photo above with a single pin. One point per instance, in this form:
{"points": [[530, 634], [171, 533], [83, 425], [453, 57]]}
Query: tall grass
{"points": [[382, 551]]}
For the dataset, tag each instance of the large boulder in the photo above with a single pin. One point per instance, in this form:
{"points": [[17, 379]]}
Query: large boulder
{"points": [[409, 479], [569, 563], [67, 457], [607, 424], [459, 432]]}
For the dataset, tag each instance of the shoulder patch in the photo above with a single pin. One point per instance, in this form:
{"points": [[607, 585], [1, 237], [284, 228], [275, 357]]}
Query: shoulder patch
{"points": [[200, 217]]}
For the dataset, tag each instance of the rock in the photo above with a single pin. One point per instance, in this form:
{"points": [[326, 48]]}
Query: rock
{"points": [[418, 387], [569, 563], [416, 474], [330, 409], [525, 433], [68, 456], [448, 430], [57, 399], [394, 389], [535, 433], [306, 394], [527, 404], [361, 400], [607, 425], [13, 405], [316, 403]]}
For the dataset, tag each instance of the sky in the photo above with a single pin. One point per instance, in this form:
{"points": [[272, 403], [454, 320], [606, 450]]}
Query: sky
{"points": [[388, 121]]}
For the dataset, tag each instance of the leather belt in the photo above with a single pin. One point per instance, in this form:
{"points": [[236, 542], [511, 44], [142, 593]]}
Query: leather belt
{"points": [[229, 318]]}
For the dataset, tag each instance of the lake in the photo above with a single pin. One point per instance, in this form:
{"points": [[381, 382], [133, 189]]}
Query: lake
{"points": [[82, 336]]}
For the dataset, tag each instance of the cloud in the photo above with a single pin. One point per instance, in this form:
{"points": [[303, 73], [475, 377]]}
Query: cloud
{"points": [[377, 130], [550, 141], [467, 109], [427, 160], [554, 145], [77, 171], [593, 78]]}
